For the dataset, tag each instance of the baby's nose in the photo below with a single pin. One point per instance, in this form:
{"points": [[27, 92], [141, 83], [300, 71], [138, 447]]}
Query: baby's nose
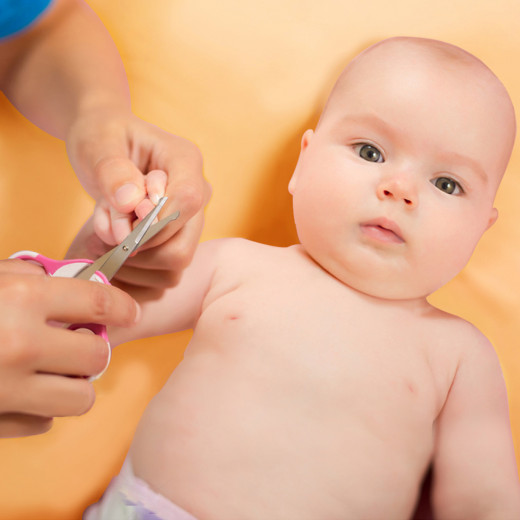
{"points": [[399, 189]]}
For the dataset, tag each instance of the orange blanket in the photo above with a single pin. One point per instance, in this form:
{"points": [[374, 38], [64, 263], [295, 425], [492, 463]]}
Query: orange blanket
{"points": [[243, 79]]}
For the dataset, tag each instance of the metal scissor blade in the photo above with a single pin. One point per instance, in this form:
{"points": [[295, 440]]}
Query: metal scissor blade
{"points": [[158, 226], [89, 270], [112, 261]]}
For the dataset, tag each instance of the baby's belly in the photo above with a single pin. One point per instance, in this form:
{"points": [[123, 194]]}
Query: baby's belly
{"points": [[234, 440]]}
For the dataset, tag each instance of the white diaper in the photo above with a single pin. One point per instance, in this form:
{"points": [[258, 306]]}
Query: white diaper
{"points": [[129, 498]]}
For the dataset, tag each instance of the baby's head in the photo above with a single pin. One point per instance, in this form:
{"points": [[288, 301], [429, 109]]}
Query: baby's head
{"points": [[395, 187]]}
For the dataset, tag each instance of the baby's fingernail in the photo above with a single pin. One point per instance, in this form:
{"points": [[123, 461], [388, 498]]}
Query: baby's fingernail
{"points": [[155, 198], [126, 194]]}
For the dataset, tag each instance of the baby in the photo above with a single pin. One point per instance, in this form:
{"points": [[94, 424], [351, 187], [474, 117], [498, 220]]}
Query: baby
{"points": [[320, 384]]}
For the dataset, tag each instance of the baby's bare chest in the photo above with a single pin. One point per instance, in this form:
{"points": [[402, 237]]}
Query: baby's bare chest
{"points": [[341, 353]]}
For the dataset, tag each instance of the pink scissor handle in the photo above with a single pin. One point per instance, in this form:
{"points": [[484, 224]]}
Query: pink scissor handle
{"points": [[69, 269]]}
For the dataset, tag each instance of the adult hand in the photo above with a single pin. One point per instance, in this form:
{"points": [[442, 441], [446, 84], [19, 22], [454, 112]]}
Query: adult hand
{"points": [[126, 163], [43, 367]]}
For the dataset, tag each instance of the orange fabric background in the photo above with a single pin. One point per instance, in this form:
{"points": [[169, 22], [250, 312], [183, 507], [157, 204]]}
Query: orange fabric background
{"points": [[243, 79]]}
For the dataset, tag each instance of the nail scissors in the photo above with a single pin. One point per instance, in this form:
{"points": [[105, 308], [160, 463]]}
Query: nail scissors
{"points": [[105, 267]]}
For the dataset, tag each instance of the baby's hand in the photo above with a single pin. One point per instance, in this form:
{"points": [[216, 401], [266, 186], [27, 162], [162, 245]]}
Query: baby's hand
{"points": [[112, 226], [154, 266]]}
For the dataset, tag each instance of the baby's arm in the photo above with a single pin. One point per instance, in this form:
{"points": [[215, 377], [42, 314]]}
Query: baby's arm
{"points": [[176, 308], [475, 472]]}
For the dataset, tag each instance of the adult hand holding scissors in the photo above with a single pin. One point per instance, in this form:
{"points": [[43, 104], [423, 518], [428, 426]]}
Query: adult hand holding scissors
{"points": [[35, 358], [47, 370]]}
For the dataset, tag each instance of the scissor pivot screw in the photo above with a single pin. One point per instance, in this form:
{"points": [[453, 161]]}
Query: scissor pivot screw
{"points": [[125, 248]]}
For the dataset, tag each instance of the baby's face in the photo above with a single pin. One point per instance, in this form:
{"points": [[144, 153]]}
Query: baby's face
{"points": [[396, 186]]}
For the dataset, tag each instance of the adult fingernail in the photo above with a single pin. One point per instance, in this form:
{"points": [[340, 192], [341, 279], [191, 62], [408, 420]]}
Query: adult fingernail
{"points": [[137, 313], [97, 376], [126, 193]]}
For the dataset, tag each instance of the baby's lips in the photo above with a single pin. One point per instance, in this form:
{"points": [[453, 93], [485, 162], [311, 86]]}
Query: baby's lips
{"points": [[386, 227]]}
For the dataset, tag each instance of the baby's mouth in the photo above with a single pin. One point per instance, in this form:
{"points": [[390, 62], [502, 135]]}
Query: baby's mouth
{"points": [[383, 230]]}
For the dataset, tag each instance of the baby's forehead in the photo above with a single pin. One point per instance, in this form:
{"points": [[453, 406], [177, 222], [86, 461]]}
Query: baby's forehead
{"points": [[433, 71], [403, 57]]}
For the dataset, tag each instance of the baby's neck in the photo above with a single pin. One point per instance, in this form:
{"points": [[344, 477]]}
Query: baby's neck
{"points": [[418, 305]]}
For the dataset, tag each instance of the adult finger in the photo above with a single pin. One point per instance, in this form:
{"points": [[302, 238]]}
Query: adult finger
{"points": [[187, 190], [162, 266], [79, 301], [100, 152], [174, 254], [52, 395], [120, 182], [22, 425], [153, 278], [70, 353]]}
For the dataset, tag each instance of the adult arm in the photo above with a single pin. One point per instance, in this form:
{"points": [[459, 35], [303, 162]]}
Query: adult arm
{"points": [[65, 75]]}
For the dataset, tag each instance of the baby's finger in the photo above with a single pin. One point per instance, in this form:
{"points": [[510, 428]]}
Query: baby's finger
{"points": [[156, 181], [143, 208], [156, 187], [121, 224], [102, 225]]}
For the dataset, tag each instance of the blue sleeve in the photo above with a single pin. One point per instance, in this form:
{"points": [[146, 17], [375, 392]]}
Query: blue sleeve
{"points": [[17, 15]]}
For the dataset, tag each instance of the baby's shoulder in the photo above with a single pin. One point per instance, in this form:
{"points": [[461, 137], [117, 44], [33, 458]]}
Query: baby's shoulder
{"points": [[235, 245], [241, 253], [459, 351], [234, 261], [459, 339]]}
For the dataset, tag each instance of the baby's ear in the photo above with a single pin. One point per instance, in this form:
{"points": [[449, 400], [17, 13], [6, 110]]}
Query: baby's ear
{"points": [[492, 217], [307, 136]]}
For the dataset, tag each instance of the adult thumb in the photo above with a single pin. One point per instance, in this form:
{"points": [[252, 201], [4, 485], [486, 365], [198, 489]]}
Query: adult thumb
{"points": [[121, 183]]}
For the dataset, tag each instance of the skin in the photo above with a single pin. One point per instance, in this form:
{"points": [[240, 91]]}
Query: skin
{"points": [[112, 151], [35, 358], [65, 75], [318, 376]]}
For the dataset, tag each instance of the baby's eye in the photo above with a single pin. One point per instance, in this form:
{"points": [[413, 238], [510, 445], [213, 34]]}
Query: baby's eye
{"points": [[447, 185], [370, 153]]}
